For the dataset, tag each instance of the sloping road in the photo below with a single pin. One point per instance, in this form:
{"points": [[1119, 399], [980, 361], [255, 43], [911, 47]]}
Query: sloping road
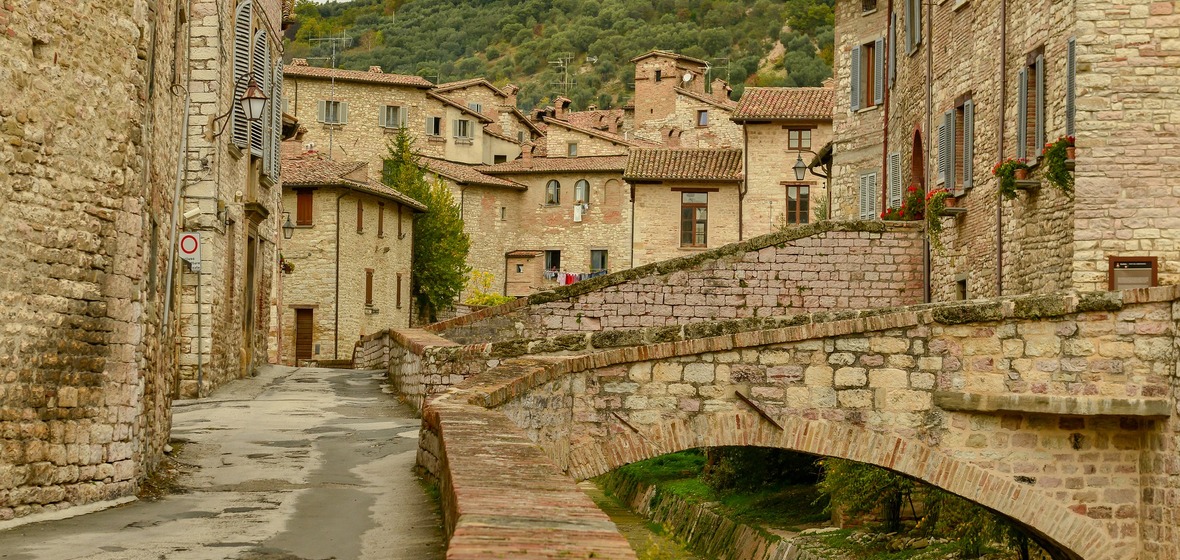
{"points": [[295, 464]]}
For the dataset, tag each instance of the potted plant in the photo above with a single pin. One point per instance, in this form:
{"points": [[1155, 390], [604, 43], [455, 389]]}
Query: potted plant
{"points": [[912, 208], [286, 266], [1056, 154], [1008, 172], [935, 206]]}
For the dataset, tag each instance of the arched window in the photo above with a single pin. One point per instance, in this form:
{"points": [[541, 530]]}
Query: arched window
{"points": [[582, 191], [553, 193]]}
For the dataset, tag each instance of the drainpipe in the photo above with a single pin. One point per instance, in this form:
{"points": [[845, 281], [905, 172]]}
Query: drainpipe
{"points": [[336, 303], [200, 339], [745, 187], [928, 268], [1000, 133], [889, 47], [632, 225], [181, 178]]}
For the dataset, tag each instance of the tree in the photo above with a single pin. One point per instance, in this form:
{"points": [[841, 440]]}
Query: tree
{"points": [[856, 488], [439, 265]]}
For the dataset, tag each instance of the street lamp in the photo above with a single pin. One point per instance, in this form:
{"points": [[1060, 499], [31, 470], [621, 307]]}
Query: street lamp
{"points": [[253, 101], [799, 167], [288, 227]]}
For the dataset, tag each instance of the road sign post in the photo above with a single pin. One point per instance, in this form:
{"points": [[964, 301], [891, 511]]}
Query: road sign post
{"points": [[190, 249]]}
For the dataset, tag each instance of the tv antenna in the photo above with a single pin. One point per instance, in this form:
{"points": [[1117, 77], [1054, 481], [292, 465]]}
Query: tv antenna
{"points": [[344, 42], [563, 64]]}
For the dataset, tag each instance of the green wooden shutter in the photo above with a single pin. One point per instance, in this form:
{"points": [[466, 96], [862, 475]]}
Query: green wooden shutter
{"points": [[240, 134], [879, 73], [949, 120], [942, 141], [1039, 137], [1071, 62], [968, 144], [894, 180], [1022, 114], [259, 68], [276, 110], [854, 74], [892, 49], [342, 118]]}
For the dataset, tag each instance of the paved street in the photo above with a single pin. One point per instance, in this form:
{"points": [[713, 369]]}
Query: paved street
{"points": [[293, 464]]}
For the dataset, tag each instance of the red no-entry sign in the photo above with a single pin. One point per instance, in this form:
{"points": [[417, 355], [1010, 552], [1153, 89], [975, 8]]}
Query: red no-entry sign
{"points": [[190, 249]]}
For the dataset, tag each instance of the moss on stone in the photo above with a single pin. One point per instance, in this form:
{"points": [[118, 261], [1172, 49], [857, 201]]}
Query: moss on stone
{"points": [[612, 339], [702, 330], [510, 348], [1038, 306], [564, 343], [1099, 301], [969, 313], [669, 333]]}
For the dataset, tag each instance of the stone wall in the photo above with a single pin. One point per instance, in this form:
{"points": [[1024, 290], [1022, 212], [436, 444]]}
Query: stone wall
{"points": [[657, 229], [824, 266], [768, 171], [86, 361]]}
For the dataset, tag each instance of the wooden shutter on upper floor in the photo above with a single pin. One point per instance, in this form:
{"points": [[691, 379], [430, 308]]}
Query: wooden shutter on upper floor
{"points": [[894, 179], [342, 118], [1022, 114], [1071, 62], [942, 142], [949, 120], [968, 144], [368, 286], [854, 74], [399, 290], [879, 71], [360, 216], [260, 73], [380, 219], [303, 207], [240, 135], [276, 110], [1039, 128]]}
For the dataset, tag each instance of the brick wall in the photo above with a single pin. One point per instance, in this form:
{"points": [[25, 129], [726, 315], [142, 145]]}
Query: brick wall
{"points": [[86, 369]]}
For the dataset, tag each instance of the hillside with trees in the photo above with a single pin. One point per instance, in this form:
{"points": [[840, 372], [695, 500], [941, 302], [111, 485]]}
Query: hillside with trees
{"points": [[748, 42]]}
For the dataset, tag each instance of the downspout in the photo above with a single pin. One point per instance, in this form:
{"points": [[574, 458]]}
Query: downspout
{"points": [[200, 339], [927, 269], [745, 181], [632, 225], [889, 47], [1000, 132], [181, 178], [336, 303]]}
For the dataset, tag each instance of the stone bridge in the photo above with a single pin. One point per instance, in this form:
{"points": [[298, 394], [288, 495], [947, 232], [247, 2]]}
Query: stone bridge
{"points": [[1057, 411]]}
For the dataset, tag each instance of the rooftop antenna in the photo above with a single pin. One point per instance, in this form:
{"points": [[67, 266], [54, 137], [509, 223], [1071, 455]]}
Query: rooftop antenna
{"points": [[563, 63], [344, 41]]}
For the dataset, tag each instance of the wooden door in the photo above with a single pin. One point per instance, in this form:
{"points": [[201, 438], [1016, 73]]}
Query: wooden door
{"points": [[303, 334]]}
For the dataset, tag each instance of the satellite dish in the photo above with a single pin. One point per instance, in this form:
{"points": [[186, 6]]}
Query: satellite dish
{"points": [[687, 77]]}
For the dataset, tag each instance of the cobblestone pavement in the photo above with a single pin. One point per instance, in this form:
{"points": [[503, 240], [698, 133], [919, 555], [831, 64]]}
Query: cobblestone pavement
{"points": [[294, 464]]}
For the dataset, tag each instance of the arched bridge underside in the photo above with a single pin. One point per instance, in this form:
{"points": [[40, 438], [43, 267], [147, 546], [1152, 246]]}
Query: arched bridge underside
{"points": [[1056, 411]]}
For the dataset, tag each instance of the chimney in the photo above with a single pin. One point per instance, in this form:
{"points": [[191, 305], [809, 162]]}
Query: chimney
{"points": [[510, 90], [592, 107], [526, 154], [375, 69], [612, 125], [721, 89], [561, 107], [299, 62]]}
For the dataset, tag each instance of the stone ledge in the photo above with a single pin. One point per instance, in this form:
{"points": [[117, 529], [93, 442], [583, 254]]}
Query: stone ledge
{"points": [[1051, 404]]}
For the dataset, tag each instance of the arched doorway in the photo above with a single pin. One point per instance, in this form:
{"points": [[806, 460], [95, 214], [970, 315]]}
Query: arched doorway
{"points": [[918, 163]]}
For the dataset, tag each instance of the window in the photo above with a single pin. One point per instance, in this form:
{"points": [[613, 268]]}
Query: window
{"points": [[553, 193], [798, 204], [552, 260], [913, 25], [499, 158], [520, 269], [659, 74], [462, 128], [571, 149], [332, 112], [360, 217], [391, 116], [868, 196], [799, 139], [380, 219], [503, 213], [702, 118], [582, 191], [694, 219], [398, 297], [956, 146], [434, 126], [1030, 108], [868, 5], [597, 260], [868, 73], [303, 208], [477, 107], [368, 286], [520, 136]]}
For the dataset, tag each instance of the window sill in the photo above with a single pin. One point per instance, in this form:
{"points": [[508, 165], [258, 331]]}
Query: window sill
{"points": [[332, 125], [436, 139], [234, 151], [694, 248], [868, 12], [959, 4], [462, 140], [867, 109], [392, 129], [304, 226]]}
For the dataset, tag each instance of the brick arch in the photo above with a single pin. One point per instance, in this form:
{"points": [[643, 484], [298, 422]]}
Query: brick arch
{"points": [[1075, 535]]}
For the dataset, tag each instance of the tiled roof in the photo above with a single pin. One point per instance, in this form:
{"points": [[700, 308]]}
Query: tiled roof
{"points": [[303, 71], [499, 135], [686, 164], [459, 106], [467, 174], [779, 103], [311, 169], [524, 119], [726, 103], [557, 165], [610, 137], [668, 54], [594, 119], [468, 83]]}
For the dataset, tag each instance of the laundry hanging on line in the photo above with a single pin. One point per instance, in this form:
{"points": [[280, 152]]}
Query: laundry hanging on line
{"points": [[568, 278]]}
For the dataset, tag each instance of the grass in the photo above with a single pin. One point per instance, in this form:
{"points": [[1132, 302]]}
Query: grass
{"points": [[674, 466], [781, 507]]}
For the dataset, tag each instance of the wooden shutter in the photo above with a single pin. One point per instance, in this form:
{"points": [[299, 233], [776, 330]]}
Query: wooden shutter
{"points": [[895, 188], [879, 73], [240, 135], [303, 207], [949, 120], [865, 196], [455, 128], [343, 117], [360, 216], [1071, 62], [304, 335], [368, 286], [968, 144], [380, 219], [854, 73], [321, 111], [892, 48], [382, 120], [1022, 114], [399, 290], [259, 71], [942, 141], [1039, 129], [276, 109]]}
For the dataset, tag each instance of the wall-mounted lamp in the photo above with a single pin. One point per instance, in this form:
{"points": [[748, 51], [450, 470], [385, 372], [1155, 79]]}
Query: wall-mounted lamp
{"points": [[288, 227], [799, 167], [252, 102]]}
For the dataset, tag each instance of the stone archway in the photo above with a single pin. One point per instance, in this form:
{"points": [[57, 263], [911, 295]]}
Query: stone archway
{"points": [[1075, 536]]}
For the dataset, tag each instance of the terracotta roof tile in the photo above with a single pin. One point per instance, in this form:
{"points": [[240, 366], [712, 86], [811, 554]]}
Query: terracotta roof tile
{"points": [[610, 137], [302, 71], [310, 169], [459, 106], [668, 54], [594, 119], [467, 174], [557, 165], [775, 103], [684, 164], [468, 83], [726, 103]]}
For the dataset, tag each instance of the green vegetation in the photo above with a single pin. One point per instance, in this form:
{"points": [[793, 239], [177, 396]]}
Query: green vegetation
{"points": [[439, 268], [516, 40], [480, 284]]}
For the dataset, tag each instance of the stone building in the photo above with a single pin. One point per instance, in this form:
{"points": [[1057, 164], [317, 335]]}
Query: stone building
{"points": [[675, 107], [936, 95], [231, 191], [349, 256], [685, 201], [780, 128]]}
